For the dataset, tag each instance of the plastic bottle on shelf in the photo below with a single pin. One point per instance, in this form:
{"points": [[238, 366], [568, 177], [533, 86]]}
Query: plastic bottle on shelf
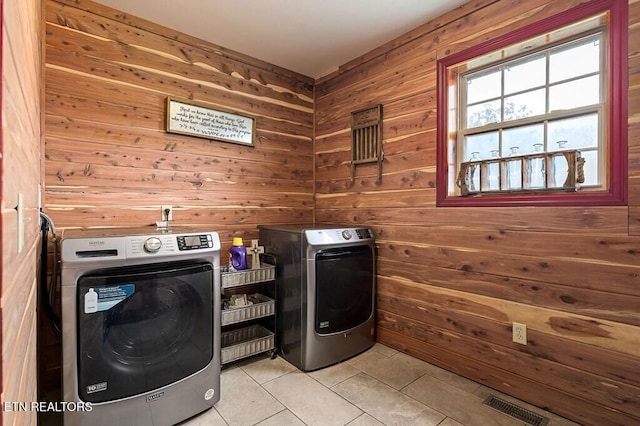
{"points": [[237, 255]]}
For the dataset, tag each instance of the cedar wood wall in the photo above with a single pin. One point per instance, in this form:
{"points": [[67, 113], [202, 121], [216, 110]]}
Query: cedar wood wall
{"points": [[450, 281], [109, 162], [21, 174]]}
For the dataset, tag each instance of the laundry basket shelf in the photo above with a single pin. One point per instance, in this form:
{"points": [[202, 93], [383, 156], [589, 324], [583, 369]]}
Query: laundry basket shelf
{"points": [[245, 342], [266, 272], [262, 306]]}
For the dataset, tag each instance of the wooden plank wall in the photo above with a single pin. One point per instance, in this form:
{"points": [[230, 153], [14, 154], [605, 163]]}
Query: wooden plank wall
{"points": [[109, 161], [21, 174], [452, 280]]}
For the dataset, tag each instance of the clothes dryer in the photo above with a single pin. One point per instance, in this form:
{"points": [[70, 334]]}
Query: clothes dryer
{"points": [[325, 291]]}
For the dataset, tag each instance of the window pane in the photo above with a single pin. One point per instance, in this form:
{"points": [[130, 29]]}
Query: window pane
{"points": [[481, 114], [523, 138], [483, 86], [525, 75], [580, 59], [591, 176], [577, 93], [524, 105], [578, 132], [482, 143]]}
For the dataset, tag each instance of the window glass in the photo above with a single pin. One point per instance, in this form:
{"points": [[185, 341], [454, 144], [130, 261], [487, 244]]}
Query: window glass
{"points": [[525, 75], [524, 105], [483, 86], [576, 93], [520, 112], [523, 138], [591, 176], [575, 60], [482, 143], [484, 113], [578, 132]]}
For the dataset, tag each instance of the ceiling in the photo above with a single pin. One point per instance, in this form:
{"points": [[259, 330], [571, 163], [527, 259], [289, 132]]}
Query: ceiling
{"points": [[311, 37]]}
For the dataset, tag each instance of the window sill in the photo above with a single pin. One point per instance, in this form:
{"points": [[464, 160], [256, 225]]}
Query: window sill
{"points": [[557, 199]]}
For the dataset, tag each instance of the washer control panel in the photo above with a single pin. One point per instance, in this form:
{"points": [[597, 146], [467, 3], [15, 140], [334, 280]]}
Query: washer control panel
{"points": [[152, 245], [168, 243], [194, 242], [138, 246]]}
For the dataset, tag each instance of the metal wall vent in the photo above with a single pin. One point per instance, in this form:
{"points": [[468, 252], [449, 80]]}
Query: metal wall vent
{"points": [[515, 411], [366, 139]]}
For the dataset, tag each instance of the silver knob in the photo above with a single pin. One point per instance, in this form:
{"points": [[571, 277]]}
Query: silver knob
{"points": [[152, 245], [346, 234]]}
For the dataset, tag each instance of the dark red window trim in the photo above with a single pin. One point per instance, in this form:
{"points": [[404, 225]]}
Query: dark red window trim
{"points": [[1, 192], [618, 123]]}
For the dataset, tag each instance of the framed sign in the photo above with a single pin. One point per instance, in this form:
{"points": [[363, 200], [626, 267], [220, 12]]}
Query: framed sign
{"points": [[195, 119]]}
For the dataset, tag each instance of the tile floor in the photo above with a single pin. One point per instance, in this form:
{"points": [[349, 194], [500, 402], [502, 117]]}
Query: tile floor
{"points": [[379, 387]]}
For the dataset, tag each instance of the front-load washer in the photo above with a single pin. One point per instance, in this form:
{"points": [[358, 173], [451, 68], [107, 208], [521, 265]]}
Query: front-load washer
{"points": [[325, 291], [140, 325]]}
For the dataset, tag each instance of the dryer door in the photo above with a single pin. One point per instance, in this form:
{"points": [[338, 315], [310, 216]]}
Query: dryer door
{"points": [[345, 285], [142, 327]]}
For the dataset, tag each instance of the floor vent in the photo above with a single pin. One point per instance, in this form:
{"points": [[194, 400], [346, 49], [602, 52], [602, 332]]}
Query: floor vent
{"points": [[522, 414]]}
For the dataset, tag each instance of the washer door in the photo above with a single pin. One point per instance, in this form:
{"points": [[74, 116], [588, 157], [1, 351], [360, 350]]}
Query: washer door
{"points": [[345, 284], [142, 328]]}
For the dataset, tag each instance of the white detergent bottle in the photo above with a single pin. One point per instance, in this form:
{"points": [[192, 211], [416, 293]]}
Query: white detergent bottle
{"points": [[90, 302]]}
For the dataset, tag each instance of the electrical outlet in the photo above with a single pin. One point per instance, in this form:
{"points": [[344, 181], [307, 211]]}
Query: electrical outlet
{"points": [[520, 333], [163, 213]]}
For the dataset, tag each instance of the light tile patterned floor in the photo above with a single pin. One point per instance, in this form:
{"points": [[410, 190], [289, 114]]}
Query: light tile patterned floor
{"points": [[379, 387]]}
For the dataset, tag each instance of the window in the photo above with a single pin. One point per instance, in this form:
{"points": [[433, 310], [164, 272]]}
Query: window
{"points": [[539, 116]]}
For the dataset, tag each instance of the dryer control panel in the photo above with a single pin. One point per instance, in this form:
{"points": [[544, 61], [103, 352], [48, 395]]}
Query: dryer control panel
{"points": [[338, 235]]}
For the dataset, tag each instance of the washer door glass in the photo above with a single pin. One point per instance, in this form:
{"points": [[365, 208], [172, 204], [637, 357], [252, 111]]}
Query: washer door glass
{"points": [[141, 328], [345, 281]]}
